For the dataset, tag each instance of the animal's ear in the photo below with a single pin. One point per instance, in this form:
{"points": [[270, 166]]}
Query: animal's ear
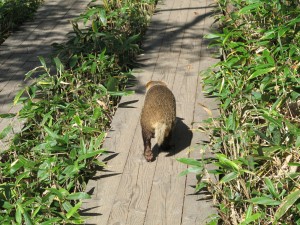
{"points": [[151, 83]]}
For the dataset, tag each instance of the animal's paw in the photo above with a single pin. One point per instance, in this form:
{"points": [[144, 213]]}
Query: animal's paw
{"points": [[149, 156]]}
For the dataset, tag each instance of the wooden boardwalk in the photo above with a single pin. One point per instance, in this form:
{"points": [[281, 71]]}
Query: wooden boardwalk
{"points": [[132, 191]]}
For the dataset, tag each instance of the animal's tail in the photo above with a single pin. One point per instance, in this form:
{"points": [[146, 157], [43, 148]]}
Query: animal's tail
{"points": [[160, 132]]}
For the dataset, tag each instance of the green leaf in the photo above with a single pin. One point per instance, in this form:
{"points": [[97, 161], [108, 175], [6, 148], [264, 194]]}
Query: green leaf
{"points": [[282, 31], [18, 95], [7, 205], [112, 84], [213, 36], [287, 203], [16, 165], [22, 176], [59, 193], [263, 136], [199, 186], [277, 122], [102, 16], [225, 162], [7, 115], [67, 206], [229, 177], [27, 218], [78, 195], [249, 8], [42, 60], [51, 133], [230, 122], [56, 136], [94, 26], [120, 93], [73, 210], [73, 61], [271, 187], [89, 155], [43, 172], [29, 73], [260, 72], [191, 170], [249, 212], [59, 65], [294, 21], [5, 132], [97, 113], [52, 221], [18, 215], [297, 143], [251, 218], [192, 162], [269, 58], [70, 170], [78, 121], [294, 164], [264, 201]]}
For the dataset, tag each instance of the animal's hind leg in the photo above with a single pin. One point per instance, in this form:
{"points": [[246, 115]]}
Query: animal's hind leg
{"points": [[166, 145], [147, 145]]}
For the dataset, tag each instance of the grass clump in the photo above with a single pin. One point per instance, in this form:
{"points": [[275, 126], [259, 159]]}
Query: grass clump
{"points": [[68, 109], [13, 13], [256, 137]]}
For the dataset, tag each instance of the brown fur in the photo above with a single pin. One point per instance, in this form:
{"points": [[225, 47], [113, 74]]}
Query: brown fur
{"points": [[158, 116]]}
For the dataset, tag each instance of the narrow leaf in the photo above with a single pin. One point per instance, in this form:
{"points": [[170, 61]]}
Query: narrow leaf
{"points": [[277, 122], [251, 218], [7, 115], [192, 162], [90, 154], [264, 201], [227, 163], [73, 210], [287, 202], [249, 8], [18, 214], [18, 95], [78, 195], [261, 72], [5, 132], [271, 187], [229, 177]]}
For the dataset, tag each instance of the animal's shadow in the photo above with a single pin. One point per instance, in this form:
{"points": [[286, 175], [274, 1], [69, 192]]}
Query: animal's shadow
{"points": [[181, 139]]}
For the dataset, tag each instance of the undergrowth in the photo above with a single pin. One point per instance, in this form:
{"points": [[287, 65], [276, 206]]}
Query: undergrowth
{"points": [[13, 13], [68, 109], [256, 138]]}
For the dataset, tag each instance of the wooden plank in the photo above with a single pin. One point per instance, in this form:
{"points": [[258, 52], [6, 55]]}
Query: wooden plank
{"points": [[199, 207], [118, 142], [113, 193], [132, 194], [165, 203], [166, 200]]}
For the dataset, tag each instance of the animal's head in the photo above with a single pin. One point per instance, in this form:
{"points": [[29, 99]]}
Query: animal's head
{"points": [[153, 83]]}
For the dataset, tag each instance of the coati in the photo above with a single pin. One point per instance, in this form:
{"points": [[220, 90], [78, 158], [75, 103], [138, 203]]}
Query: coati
{"points": [[158, 116]]}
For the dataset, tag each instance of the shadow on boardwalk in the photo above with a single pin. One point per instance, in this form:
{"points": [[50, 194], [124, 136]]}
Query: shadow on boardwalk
{"points": [[19, 53]]}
